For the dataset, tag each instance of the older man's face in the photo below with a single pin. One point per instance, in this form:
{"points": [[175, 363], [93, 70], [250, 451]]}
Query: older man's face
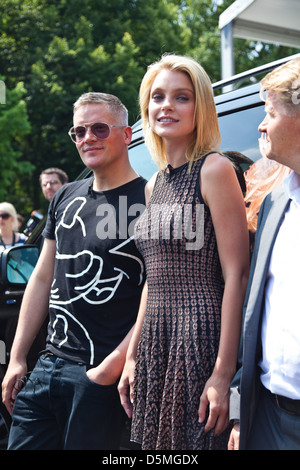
{"points": [[281, 129]]}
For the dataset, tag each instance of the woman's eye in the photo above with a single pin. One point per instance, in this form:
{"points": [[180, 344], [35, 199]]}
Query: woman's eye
{"points": [[157, 97]]}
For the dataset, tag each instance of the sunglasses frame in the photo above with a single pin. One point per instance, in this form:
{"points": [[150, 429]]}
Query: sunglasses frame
{"points": [[89, 126]]}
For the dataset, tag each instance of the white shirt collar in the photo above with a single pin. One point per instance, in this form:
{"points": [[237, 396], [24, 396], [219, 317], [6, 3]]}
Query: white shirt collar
{"points": [[292, 187]]}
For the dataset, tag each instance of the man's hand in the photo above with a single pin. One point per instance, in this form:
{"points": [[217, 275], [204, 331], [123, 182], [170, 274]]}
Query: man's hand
{"points": [[13, 381], [234, 438]]}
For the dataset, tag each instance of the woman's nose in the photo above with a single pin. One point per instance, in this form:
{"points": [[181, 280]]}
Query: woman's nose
{"points": [[167, 104]]}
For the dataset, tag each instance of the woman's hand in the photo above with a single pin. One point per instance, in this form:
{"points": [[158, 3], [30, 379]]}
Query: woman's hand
{"points": [[125, 387], [216, 396]]}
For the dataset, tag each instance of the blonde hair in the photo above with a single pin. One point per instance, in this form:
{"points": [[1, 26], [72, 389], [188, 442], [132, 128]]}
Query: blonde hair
{"points": [[207, 133], [9, 208], [285, 82]]}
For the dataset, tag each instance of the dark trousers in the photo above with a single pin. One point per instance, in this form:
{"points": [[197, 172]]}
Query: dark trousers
{"points": [[273, 428], [60, 408]]}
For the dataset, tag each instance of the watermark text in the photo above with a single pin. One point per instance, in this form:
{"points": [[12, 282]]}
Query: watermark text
{"points": [[2, 92], [296, 93], [159, 221], [2, 352]]}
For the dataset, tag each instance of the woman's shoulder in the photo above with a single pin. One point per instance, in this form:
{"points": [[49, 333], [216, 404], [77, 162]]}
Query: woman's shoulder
{"points": [[217, 168], [216, 163], [217, 175], [150, 186]]}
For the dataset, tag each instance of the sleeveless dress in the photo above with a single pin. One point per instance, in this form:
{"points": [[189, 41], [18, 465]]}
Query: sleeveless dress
{"points": [[181, 330]]}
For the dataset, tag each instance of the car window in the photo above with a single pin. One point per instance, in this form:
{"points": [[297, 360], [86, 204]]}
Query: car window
{"points": [[142, 161], [239, 131], [20, 263]]}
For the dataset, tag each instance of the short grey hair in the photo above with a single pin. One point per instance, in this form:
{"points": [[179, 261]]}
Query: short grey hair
{"points": [[115, 105]]}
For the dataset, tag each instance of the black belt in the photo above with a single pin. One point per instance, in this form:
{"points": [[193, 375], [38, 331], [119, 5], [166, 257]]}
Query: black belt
{"points": [[286, 404]]}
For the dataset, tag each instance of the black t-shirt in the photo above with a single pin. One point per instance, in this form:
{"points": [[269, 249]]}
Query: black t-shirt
{"points": [[99, 273]]}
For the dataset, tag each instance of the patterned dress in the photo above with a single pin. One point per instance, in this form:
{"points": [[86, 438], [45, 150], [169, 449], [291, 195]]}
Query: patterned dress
{"points": [[181, 331]]}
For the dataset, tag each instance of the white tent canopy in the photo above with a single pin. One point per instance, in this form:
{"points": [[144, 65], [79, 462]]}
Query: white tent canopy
{"points": [[271, 21]]}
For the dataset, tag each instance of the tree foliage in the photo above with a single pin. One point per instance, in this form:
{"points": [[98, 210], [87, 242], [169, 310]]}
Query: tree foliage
{"points": [[61, 49], [14, 125]]}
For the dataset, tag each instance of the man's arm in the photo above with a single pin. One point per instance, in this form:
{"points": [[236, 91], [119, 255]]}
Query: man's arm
{"points": [[33, 312], [110, 369]]}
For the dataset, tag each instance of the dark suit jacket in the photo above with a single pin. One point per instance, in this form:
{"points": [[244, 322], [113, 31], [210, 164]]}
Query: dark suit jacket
{"points": [[246, 385]]}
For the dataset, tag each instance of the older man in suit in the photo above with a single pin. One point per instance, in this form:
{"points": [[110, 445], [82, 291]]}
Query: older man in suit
{"points": [[265, 393]]}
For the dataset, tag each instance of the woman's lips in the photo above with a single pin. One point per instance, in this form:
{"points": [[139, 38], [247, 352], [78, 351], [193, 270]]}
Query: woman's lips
{"points": [[167, 119]]}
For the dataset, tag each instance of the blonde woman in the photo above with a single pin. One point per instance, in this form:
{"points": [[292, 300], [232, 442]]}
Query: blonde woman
{"points": [[194, 240], [9, 235]]}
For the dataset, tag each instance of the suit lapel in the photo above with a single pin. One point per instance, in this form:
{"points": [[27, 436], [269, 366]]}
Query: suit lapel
{"points": [[271, 216], [274, 211]]}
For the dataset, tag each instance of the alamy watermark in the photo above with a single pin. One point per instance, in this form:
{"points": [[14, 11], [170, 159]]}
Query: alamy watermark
{"points": [[160, 221], [2, 92], [2, 352], [296, 93]]}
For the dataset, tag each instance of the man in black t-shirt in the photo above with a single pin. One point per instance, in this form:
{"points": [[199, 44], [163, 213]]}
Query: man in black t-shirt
{"points": [[88, 279]]}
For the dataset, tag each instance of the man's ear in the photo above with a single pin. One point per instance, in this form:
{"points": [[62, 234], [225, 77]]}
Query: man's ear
{"points": [[127, 134]]}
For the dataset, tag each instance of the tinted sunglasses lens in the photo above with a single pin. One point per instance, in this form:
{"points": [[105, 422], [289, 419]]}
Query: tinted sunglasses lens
{"points": [[78, 133], [4, 216], [100, 130]]}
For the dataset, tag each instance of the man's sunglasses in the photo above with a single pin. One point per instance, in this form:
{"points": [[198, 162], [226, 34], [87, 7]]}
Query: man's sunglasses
{"points": [[101, 130], [4, 216]]}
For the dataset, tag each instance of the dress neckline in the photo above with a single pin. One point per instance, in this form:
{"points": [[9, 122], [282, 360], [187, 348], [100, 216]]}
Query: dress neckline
{"points": [[169, 171]]}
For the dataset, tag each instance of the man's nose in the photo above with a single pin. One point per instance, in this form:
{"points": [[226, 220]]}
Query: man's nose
{"points": [[89, 135], [262, 127]]}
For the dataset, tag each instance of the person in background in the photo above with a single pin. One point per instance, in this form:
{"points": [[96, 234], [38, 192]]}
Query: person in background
{"points": [[88, 280], [9, 235], [21, 221], [238, 159], [194, 240], [265, 393], [51, 180]]}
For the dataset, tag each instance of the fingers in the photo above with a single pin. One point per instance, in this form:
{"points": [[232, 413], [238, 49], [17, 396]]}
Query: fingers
{"points": [[217, 415], [126, 403], [126, 397], [216, 420], [202, 408], [234, 440], [221, 421], [10, 391]]}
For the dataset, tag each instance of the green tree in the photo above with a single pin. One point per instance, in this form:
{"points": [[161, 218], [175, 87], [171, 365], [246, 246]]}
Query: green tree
{"points": [[62, 50], [203, 39], [14, 126]]}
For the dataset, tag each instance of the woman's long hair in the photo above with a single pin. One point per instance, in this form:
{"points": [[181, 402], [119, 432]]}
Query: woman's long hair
{"points": [[206, 136]]}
